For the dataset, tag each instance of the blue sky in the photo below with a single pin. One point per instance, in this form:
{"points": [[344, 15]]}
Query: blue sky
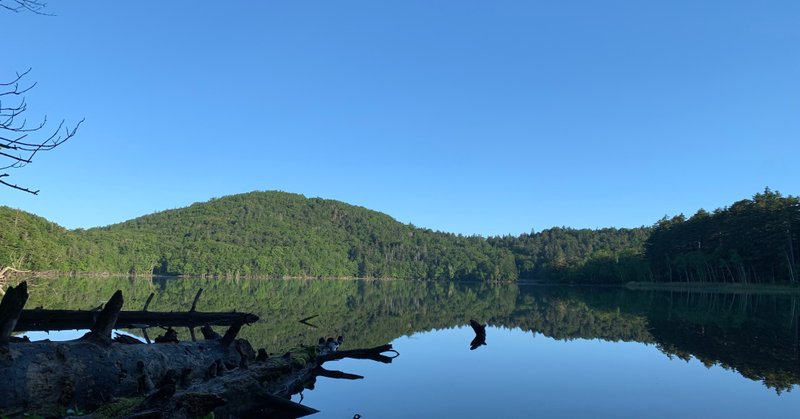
{"points": [[472, 117]]}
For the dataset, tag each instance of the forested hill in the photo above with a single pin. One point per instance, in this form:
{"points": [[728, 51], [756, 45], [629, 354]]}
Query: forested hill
{"points": [[256, 234], [279, 234], [282, 234]]}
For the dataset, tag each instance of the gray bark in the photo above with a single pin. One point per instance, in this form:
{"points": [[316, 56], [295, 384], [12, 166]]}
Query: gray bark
{"points": [[47, 377], [179, 379]]}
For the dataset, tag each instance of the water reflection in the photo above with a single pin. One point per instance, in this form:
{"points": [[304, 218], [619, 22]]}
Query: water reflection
{"points": [[480, 335], [755, 335]]}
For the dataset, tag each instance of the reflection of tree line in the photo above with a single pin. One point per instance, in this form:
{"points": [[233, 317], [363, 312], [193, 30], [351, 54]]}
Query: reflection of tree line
{"points": [[756, 335]]}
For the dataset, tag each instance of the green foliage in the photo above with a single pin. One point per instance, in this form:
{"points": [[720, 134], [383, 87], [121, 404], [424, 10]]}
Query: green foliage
{"points": [[258, 234], [752, 241], [32, 242], [585, 256], [277, 234]]}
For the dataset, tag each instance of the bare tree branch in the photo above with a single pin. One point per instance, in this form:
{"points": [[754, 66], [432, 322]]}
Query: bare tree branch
{"points": [[33, 6], [10, 185], [17, 149]]}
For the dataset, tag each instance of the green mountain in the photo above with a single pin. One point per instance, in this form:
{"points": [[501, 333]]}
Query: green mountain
{"points": [[257, 234], [278, 234], [30, 242]]}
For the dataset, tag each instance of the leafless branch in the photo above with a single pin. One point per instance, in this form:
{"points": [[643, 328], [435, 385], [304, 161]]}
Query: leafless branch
{"points": [[10, 185], [17, 149], [33, 6]]}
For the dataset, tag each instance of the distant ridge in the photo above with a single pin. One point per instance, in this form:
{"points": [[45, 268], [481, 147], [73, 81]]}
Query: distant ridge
{"points": [[257, 234], [280, 234]]}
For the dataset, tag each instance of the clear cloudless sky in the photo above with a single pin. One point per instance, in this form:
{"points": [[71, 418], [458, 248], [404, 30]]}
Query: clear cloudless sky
{"points": [[473, 117]]}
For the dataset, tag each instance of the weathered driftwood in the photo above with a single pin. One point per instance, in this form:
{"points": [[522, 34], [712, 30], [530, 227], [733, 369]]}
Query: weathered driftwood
{"points": [[49, 320], [49, 377], [262, 389], [105, 321], [10, 309], [46, 377], [223, 375], [374, 354]]}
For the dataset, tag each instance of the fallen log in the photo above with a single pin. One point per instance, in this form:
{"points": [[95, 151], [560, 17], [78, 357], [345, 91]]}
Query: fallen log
{"points": [[373, 354], [223, 375], [262, 389], [50, 320], [46, 377]]}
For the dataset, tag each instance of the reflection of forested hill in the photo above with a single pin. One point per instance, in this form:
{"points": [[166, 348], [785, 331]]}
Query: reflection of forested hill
{"points": [[756, 335], [367, 312]]}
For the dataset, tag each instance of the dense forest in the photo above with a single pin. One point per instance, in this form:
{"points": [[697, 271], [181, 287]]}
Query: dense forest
{"points": [[277, 234], [572, 255], [269, 234], [752, 241]]}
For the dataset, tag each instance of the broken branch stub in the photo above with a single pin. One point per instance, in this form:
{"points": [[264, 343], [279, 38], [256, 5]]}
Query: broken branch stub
{"points": [[102, 327], [10, 309]]}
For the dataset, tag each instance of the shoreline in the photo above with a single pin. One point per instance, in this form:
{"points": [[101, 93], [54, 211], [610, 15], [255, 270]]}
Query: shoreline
{"points": [[702, 287], [715, 287]]}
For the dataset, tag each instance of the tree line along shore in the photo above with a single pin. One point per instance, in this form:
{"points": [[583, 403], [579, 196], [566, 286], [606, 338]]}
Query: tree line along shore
{"points": [[278, 234]]}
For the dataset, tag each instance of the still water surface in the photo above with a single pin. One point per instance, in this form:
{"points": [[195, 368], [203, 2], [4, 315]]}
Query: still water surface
{"points": [[550, 352]]}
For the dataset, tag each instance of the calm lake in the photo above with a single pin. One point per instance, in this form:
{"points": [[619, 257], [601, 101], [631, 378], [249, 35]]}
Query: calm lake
{"points": [[550, 351]]}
